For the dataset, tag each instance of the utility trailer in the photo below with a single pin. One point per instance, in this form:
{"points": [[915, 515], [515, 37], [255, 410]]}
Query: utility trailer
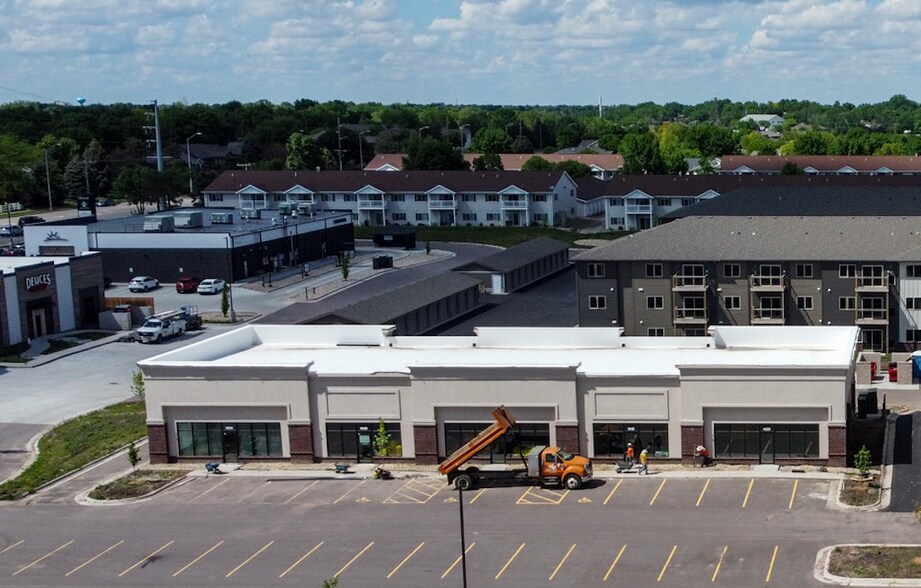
{"points": [[546, 465]]}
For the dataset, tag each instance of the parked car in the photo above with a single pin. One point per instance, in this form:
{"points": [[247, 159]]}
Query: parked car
{"points": [[105, 202], [142, 284], [30, 220], [187, 284], [11, 231], [211, 286], [15, 251]]}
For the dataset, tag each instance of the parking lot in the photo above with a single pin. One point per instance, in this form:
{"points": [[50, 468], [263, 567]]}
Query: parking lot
{"points": [[260, 531]]}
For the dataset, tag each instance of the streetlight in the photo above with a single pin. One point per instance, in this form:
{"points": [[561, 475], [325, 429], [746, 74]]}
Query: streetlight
{"points": [[228, 241], [461, 129], [188, 158], [361, 153], [48, 180], [9, 223], [419, 132]]}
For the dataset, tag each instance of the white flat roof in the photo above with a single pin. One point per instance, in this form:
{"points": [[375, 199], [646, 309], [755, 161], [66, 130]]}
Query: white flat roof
{"points": [[370, 349], [9, 264]]}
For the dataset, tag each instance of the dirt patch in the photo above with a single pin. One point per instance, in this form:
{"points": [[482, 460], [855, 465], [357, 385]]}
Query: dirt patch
{"points": [[860, 491], [217, 317], [872, 561], [136, 484]]}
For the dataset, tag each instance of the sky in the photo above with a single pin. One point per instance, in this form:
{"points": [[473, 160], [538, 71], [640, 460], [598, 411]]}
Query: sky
{"points": [[512, 52]]}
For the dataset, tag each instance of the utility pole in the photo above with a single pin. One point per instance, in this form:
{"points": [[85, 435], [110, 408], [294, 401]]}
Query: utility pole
{"points": [[48, 181], [339, 135], [161, 201]]}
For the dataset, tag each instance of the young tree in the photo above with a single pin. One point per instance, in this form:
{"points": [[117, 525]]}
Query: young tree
{"points": [[862, 460], [382, 439], [345, 268], [225, 299], [305, 153], [487, 162], [133, 457], [137, 385]]}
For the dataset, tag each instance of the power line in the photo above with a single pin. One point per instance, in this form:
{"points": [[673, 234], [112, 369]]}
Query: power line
{"points": [[52, 100]]}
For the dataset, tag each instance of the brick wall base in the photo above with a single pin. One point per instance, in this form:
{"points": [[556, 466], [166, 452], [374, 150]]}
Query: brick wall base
{"points": [[691, 437], [567, 437], [157, 444], [426, 441], [300, 438], [837, 446]]}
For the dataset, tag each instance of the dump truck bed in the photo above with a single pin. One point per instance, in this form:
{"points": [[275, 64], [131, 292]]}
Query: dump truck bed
{"points": [[484, 439]]}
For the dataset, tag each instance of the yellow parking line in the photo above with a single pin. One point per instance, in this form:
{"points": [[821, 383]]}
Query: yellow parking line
{"points": [[46, 556], [147, 559], [662, 485], [702, 492], [336, 501], [254, 490], [351, 561], [308, 487], [457, 561], [793, 494], [405, 559], [668, 561], [771, 568], [616, 559], [249, 559], [20, 542], [94, 558], [219, 484], [719, 564], [198, 559], [562, 561], [297, 563], [619, 482], [520, 498], [747, 494], [510, 560], [560, 496], [472, 500]]}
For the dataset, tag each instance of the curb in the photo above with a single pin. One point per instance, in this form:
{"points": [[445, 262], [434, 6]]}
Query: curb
{"points": [[89, 466], [838, 504], [821, 573], [32, 449], [84, 498], [40, 360]]}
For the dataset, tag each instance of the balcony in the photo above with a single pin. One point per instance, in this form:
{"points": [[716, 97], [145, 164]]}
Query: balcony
{"points": [[514, 203], [761, 283], [682, 283], [442, 204], [690, 316], [767, 316], [371, 202], [872, 316], [871, 284], [638, 209]]}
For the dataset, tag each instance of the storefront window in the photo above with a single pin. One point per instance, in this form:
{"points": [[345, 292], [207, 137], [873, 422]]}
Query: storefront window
{"points": [[611, 438], [523, 437], [207, 439], [348, 439], [749, 440]]}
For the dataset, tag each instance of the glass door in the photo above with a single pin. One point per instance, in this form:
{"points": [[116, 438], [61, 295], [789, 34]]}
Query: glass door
{"points": [[365, 445], [767, 445], [229, 443]]}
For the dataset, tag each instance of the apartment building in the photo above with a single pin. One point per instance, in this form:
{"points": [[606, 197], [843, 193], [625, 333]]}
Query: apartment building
{"points": [[454, 198], [683, 277]]}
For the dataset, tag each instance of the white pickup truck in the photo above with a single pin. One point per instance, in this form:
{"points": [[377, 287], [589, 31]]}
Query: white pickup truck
{"points": [[161, 326]]}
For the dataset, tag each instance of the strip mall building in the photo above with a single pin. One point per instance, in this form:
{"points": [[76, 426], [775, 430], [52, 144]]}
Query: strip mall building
{"points": [[314, 393]]}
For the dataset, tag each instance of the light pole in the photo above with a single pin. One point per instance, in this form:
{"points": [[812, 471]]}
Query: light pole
{"points": [[419, 132], [228, 240], [48, 180], [461, 129], [9, 223], [361, 153], [188, 158]]}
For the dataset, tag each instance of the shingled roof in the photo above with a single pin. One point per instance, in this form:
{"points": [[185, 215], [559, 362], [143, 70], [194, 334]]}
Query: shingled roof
{"points": [[517, 255], [815, 238], [864, 164], [389, 182]]}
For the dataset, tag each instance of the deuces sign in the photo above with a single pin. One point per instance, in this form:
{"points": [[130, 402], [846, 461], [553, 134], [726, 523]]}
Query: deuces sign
{"points": [[38, 283]]}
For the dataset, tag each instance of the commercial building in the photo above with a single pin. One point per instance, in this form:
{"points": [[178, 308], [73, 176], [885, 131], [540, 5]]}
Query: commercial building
{"points": [[46, 295], [306, 393]]}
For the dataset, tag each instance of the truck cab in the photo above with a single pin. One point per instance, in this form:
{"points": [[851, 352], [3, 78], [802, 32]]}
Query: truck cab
{"points": [[161, 326]]}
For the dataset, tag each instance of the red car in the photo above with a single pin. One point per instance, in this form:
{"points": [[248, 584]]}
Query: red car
{"points": [[187, 284]]}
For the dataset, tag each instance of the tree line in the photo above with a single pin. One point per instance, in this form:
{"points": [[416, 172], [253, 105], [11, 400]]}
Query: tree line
{"points": [[105, 150]]}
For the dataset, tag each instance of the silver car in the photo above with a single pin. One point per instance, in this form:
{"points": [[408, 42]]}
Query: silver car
{"points": [[142, 284], [211, 286]]}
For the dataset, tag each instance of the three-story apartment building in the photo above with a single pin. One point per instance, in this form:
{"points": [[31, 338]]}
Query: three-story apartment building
{"points": [[683, 277]]}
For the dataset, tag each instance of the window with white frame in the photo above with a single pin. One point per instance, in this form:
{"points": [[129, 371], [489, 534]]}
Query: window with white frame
{"points": [[398, 216], [538, 197], [616, 201], [913, 270], [349, 197], [215, 197], [328, 197], [468, 197], [687, 201], [469, 216], [422, 198], [493, 216], [732, 270], [653, 270], [397, 197], [913, 335], [492, 198], [617, 221], [655, 302], [913, 303], [597, 302], [595, 270], [847, 270], [803, 270], [804, 302], [847, 303], [539, 217], [733, 302], [655, 332], [663, 201], [422, 216]]}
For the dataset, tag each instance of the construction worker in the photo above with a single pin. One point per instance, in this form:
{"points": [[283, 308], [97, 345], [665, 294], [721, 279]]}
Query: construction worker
{"points": [[643, 458], [630, 454]]}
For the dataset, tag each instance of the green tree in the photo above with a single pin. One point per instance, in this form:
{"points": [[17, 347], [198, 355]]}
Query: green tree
{"points": [[813, 143], [536, 163], [487, 162], [345, 267], [862, 460], [754, 143], [432, 153], [575, 169], [382, 439], [133, 457], [491, 140], [137, 385], [305, 153], [225, 299], [791, 169], [16, 183], [641, 154]]}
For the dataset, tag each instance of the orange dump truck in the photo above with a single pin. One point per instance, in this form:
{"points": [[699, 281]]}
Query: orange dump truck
{"points": [[547, 465]]}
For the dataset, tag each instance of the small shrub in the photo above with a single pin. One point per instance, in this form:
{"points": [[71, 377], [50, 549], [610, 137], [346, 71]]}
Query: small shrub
{"points": [[862, 460]]}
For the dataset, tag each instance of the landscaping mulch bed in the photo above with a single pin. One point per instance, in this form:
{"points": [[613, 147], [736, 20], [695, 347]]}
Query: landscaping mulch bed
{"points": [[136, 484], [860, 490], [870, 561]]}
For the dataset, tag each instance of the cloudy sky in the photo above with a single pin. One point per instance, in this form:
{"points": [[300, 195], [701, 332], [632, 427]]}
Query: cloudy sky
{"points": [[459, 51]]}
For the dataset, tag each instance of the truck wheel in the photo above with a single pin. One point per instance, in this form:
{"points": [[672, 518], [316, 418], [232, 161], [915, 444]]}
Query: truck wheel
{"points": [[572, 482], [463, 482]]}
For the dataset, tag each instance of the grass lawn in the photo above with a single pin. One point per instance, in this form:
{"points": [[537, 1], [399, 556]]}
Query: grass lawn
{"points": [[136, 484], [868, 561], [12, 354], [74, 443], [859, 491], [502, 236], [55, 345]]}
